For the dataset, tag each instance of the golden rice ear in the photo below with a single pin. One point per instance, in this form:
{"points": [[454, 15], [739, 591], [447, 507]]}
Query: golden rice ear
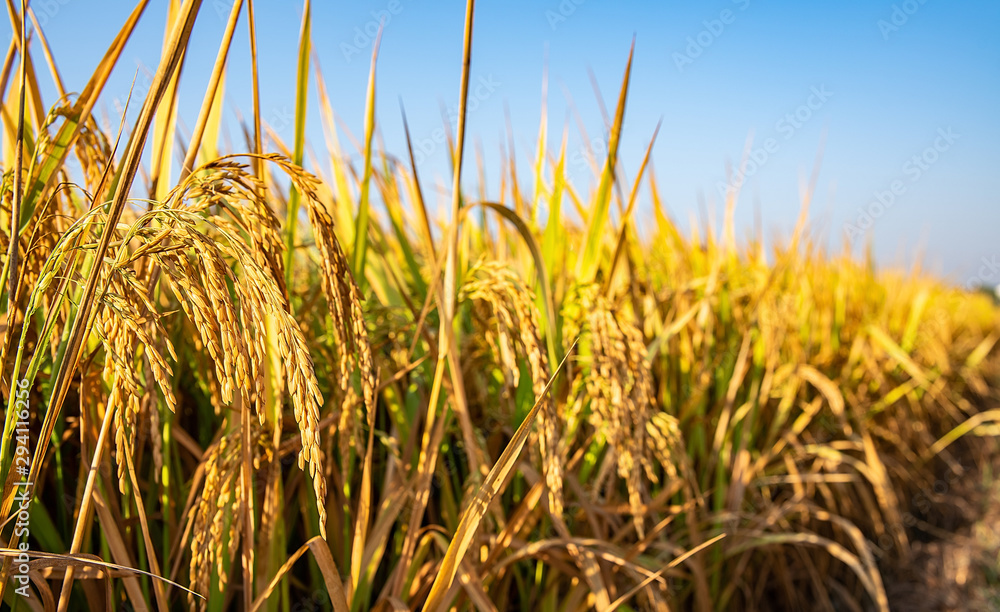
{"points": [[510, 322], [122, 321], [212, 545], [618, 384], [232, 332]]}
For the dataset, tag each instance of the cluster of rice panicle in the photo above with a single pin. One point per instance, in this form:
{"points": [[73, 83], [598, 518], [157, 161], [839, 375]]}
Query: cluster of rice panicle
{"points": [[242, 194], [244, 232], [217, 243], [343, 296], [207, 519], [509, 323], [617, 382], [235, 334], [127, 323], [226, 185]]}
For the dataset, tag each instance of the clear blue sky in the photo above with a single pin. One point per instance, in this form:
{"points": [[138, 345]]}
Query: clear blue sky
{"points": [[884, 79]]}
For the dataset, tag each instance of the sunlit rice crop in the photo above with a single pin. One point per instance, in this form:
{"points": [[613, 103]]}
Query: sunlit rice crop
{"points": [[247, 362]]}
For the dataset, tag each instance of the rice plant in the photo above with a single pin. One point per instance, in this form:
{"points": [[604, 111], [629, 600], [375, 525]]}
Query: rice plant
{"points": [[251, 387]]}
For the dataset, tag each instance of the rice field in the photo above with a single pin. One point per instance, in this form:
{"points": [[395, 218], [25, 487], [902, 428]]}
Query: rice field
{"points": [[234, 380]]}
